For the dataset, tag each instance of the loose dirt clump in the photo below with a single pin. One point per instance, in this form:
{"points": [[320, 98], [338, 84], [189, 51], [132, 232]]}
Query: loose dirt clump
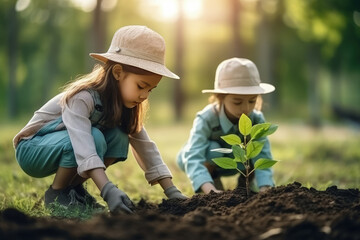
{"points": [[284, 212]]}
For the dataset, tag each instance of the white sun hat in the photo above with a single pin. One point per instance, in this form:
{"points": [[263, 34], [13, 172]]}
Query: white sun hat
{"points": [[138, 46], [238, 76]]}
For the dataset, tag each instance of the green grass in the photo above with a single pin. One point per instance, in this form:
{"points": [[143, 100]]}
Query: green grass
{"points": [[316, 158]]}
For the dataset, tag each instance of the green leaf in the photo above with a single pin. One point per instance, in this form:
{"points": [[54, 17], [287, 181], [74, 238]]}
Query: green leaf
{"points": [[254, 148], [225, 162], [222, 150], [259, 129], [239, 153], [245, 125], [231, 139], [271, 129], [262, 130], [263, 163]]}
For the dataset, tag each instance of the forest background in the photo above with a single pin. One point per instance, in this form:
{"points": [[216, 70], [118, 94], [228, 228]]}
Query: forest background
{"points": [[308, 49]]}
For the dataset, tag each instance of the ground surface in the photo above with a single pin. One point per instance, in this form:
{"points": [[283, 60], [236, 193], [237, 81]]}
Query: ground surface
{"points": [[285, 212]]}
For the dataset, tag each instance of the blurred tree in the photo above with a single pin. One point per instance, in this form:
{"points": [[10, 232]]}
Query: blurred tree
{"points": [[179, 62], [344, 58], [235, 10], [266, 47], [330, 32], [51, 65], [41, 43], [12, 43], [307, 49], [99, 28], [314, 85], [46, 57]]}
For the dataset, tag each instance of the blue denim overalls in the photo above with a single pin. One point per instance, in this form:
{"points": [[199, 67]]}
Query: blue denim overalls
{"points": [[51, 148]]}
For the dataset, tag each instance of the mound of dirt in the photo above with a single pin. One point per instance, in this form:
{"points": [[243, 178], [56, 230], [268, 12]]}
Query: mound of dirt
{"points": [[284, 212]]}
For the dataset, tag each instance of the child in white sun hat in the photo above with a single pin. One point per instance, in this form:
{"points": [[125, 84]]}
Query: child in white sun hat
{"points": [[237, 90], [89, 126]]}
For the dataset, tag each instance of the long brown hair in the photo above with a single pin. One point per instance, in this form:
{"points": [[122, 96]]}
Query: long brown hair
{"points": [[101, 79]]}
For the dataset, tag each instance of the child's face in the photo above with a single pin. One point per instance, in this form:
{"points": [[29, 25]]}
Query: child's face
{"points": [[136, 88], [235, 105]]}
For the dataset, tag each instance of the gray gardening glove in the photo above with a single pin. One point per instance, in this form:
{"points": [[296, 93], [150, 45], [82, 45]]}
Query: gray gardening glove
{"points": [[117, 200], [174, 193]]}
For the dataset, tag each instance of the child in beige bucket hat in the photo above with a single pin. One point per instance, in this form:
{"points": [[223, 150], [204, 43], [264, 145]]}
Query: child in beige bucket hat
{"points": [[237, 90], [89, 126], [138, 46]]}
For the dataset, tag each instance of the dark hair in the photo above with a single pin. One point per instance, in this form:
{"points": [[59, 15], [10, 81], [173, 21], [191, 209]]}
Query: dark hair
{"points": [[101, 79]]}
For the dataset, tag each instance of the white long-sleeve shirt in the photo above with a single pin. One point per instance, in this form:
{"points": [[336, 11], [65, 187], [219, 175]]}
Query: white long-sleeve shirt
{"points": [[76, 117]]}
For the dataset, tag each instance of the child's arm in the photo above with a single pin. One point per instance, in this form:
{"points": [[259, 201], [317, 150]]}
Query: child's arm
{"points": [[193, 156], [75, 115], [148, 157]]}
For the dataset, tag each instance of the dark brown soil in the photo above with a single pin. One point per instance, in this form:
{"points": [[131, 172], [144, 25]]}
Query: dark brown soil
{"points": [[285, 212]]}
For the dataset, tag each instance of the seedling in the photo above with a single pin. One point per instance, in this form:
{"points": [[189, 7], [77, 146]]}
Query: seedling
{"points": [[245, 150]]}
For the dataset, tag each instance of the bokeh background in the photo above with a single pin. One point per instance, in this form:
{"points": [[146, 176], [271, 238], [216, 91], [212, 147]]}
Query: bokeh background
{"points": [[308, 49]]}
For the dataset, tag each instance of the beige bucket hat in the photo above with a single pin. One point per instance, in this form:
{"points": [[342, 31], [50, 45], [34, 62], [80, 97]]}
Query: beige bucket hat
{"points": [[138, 46], [238, 76]]}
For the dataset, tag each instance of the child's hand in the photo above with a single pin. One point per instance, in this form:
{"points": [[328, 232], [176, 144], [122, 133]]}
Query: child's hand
{"points": [[217, 191], [174, 193], [117, 200], [208, 187], [264, 188]]}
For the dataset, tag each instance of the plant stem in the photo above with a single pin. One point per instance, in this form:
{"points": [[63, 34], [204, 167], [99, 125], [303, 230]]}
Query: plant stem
{"points": [[247, 181], [247, 166], [241, 172], [251, 171]]}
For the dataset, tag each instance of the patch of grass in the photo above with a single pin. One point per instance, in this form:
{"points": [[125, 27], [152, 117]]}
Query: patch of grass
{"points": [[315, 158], [72, 212], [21, 191]]}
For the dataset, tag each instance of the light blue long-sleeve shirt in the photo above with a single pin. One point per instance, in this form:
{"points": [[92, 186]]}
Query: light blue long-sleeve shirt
{"points": [[208, 126]]}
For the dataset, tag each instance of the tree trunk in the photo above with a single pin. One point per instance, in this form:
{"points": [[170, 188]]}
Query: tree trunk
{"points": [[179, 65], [51, 69], [313, 86], [99, 30], [235, 25], [12, 56], [265, 52]]}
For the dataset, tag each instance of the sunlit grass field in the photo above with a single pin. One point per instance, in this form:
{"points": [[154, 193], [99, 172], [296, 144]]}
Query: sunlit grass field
{"points": [[314, 157]]}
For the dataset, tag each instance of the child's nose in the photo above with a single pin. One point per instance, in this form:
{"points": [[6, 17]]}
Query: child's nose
{"points": [[246, 107], [144, 95]]}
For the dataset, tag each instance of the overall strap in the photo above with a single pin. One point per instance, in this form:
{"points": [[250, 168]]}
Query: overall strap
{"points": [[211, 115], [216, 130], [98, 112]]}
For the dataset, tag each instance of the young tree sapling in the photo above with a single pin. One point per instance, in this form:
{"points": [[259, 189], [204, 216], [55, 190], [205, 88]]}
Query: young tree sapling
{"points": [[244, 151]]}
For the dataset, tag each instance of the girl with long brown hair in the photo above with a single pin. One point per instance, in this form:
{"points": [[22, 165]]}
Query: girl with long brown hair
{"points": [[90, 125]]}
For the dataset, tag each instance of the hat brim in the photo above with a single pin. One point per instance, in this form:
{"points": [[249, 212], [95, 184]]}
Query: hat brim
{"points": [[147, 65], [263, 88]]}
